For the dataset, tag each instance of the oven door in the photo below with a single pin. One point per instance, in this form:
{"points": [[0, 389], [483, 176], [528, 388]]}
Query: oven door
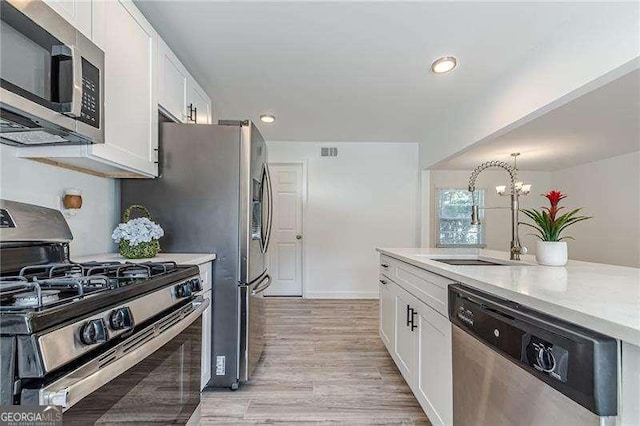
{"points": [[151, 377], [51, 78]]}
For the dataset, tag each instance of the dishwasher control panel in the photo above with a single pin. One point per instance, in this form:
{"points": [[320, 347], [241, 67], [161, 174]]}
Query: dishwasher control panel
{"points": [[547, 358]]}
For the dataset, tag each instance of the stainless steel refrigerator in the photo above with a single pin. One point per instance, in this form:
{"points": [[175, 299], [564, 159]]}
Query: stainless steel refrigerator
{"points": [[214, 195]]}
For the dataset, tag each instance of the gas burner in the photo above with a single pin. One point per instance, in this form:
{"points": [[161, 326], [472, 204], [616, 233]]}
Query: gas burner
{"points": [[135, 272], [30, 299], [74, 273]]}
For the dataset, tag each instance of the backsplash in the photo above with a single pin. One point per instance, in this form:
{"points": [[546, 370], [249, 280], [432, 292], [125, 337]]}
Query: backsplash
{"points": [[36, 183]]}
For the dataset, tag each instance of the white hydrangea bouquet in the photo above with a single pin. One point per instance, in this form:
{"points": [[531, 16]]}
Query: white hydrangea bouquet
{"points": [[137, 238]]}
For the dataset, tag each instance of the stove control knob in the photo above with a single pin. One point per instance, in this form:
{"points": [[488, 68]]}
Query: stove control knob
{"points": [[121, 319], [93, 332], [196, 285], [183, 290], [546, 360]]}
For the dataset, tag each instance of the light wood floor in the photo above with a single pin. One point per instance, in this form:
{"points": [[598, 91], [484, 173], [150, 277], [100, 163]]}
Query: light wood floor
{"points": [[323, 363]]}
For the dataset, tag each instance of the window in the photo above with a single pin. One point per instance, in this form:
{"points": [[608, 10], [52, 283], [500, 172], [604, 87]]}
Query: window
{"points": [[454, 226]]}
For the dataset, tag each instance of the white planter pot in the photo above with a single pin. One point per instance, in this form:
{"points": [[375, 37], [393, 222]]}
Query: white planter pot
{"points": [[551, 253]]}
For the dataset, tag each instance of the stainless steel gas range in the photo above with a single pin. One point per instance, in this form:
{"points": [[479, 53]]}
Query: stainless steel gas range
{"points": [[109, 342]]}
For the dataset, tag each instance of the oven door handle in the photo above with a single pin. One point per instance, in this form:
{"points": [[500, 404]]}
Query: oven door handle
{"points": [[76, 385]]}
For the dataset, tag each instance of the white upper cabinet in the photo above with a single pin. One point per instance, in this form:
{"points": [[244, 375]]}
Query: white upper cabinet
{"points": [[130, 145], [77, 12], [172, 84], [130, 104], [199, 104], [141, 76], [180, 97]]}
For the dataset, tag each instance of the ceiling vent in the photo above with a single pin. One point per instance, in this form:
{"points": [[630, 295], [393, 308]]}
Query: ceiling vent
{"points": [[328, 152]]}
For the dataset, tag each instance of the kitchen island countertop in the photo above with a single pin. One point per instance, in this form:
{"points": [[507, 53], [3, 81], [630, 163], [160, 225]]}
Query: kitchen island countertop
{"points": [[604, 298]]}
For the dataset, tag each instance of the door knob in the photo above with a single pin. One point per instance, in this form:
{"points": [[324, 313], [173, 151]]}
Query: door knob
{"points": [[298, 237]]}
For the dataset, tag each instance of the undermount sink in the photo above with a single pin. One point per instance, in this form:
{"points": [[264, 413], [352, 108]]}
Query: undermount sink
{"points": [[474, 262]]}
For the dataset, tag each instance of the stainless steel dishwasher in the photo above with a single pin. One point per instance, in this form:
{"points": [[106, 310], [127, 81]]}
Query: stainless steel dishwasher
{"points": [[516, 366]]}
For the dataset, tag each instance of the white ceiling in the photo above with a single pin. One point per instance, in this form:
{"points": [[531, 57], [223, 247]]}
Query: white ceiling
{"points": [[601, 124], [356, 71]]}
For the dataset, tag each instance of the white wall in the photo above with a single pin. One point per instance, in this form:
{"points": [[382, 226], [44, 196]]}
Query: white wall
{"points": [[30, 182], [363, 199], [497, 222], [597, 51], [608, 190]]}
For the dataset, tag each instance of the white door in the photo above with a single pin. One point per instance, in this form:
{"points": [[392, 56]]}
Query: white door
{"points": [[285, 249]]}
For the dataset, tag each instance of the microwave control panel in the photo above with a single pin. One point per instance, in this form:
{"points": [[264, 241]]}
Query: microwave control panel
{"points": [[90, 111]]}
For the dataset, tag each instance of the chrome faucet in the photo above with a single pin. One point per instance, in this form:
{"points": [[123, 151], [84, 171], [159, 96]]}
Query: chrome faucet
{"points": [[516, 248]]}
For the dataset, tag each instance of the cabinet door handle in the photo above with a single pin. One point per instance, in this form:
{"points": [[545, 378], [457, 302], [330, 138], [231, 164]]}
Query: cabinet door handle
{"points": [[384, 265], [408, 316], [192, 110], [383, 282], [413, 322], [195, 115]]}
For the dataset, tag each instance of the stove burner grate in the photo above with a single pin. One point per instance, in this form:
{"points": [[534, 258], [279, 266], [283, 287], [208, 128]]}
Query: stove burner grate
{"points": [[20, 293], [32, 299], [58, 283]]}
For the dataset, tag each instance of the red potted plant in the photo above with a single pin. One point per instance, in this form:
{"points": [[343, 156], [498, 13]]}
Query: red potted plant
{"points": [[551, 250]]}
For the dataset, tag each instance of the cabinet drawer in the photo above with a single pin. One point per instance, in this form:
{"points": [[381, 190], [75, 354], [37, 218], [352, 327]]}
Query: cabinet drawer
{"points": [[430, 288], [385, 265]]}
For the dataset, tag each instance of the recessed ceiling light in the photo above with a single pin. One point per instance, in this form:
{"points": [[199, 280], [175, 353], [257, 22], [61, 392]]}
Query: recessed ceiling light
{"points": [[444, 64], [267, 118]]}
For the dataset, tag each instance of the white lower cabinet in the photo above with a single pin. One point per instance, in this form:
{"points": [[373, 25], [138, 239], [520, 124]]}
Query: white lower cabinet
{"points": [[387, 314], [418, 337], [405, 346], [434, 382]]}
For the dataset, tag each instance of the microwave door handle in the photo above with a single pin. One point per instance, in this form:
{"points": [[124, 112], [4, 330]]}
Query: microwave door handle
{"points": [[76, 96]]}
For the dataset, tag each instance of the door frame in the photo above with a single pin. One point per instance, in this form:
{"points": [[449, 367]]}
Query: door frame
{"points": [[304, 194]]}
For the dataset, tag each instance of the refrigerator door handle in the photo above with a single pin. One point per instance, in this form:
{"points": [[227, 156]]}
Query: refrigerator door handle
{"points": [[270, 216], [264, 284]]}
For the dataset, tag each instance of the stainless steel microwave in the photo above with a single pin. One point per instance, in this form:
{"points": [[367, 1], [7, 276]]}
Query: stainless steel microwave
{"points": [[51, 79]]}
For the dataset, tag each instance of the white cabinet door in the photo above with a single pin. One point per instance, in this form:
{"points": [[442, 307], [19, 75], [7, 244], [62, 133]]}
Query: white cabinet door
{"points": [[387, 314], [131, 106], [199, 103], [76, 12], [434, 386], [172, 84], [405, 344]]}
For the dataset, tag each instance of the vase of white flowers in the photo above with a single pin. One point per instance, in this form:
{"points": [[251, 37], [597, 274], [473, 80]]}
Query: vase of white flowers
{"points": [[137, 238]]}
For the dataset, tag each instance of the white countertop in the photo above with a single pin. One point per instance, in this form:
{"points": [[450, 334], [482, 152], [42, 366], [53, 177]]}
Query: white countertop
{"points": [[179, 258], [604, 298]]}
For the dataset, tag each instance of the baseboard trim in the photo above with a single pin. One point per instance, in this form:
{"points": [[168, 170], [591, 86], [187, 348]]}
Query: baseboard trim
{"points": [[341, 295]]}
